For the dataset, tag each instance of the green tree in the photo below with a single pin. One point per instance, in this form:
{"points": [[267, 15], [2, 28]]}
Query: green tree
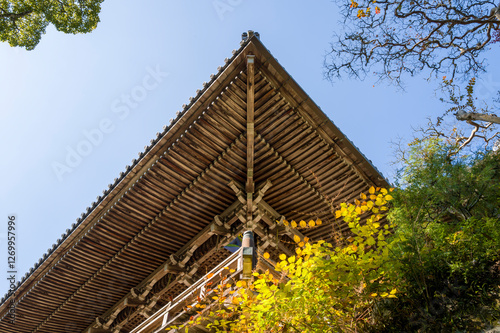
{"points": [[22, 23], [447, 225]]}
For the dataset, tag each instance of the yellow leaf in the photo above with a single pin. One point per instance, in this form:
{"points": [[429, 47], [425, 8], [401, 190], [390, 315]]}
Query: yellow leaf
{"points": [[303, 224], [383, 191], [373, 295], [232, 270], [296, 238], [312, 223], [372, 190], [294, 224], [209, 275], [358, 210], [306, 239], [393, 291], [357, 202], [285, 222], [319, 222], [338, 214], [384, 294], [226, 268], [282, 256], [369, 204], [298, 251], [301, 244], [266, 255], [388, 197], [363, 196]]}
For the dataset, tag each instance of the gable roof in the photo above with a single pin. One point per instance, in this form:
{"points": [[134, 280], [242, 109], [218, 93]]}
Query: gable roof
{"points": [[163, 222]]}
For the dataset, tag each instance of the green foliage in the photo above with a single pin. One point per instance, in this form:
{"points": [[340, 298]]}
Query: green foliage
{"points": [[448, 241], [22, 23], [434, 268]]}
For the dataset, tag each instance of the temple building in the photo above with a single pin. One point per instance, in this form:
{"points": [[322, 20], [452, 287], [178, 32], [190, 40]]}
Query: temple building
{"points": [[250, 150]]}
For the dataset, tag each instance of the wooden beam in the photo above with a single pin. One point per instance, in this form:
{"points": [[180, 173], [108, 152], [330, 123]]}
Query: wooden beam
{"points": [[250, 132], [175, 264]]}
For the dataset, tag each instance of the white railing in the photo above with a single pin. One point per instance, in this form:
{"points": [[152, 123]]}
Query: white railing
{"points": [[167, 315]]}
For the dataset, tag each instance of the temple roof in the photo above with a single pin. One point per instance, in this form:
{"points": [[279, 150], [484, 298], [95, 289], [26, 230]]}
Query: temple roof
{"points": [[164, 222]]}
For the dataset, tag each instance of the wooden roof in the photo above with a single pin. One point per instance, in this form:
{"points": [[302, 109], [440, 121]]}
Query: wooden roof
{"points": [[163, 223]]}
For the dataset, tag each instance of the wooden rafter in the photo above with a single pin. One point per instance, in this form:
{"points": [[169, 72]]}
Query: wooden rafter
{"points": [[250, 133]]}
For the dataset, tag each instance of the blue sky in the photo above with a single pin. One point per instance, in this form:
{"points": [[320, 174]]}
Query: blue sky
{"points": [[75, 87]]}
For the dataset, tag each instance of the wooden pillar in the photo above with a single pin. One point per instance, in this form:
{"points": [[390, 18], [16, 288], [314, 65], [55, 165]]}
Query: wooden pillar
{"points": [[248, 255], [250, 134]]}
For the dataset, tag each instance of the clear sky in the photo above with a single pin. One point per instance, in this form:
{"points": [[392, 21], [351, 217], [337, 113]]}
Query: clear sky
{"points": [[72, 89]]}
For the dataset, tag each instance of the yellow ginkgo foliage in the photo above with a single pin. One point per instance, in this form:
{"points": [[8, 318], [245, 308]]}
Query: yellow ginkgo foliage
{"points": [[322, 287]]}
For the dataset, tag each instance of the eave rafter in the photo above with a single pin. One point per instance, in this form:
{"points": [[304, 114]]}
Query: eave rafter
{"points": [[278, 86], [284, 163], [144, 230]]}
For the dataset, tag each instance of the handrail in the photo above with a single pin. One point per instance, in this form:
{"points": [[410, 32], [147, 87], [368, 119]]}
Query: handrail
{"points": [[174, 309]]}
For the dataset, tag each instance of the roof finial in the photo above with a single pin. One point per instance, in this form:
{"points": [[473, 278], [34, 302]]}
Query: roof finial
{"points": [[247, 35]]}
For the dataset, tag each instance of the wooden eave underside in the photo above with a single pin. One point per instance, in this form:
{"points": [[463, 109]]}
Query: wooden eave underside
{"points": [[173, 194]]}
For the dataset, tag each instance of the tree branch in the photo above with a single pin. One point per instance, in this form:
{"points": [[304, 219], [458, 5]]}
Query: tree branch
{"points": [[16, 16], [462, 115]]}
